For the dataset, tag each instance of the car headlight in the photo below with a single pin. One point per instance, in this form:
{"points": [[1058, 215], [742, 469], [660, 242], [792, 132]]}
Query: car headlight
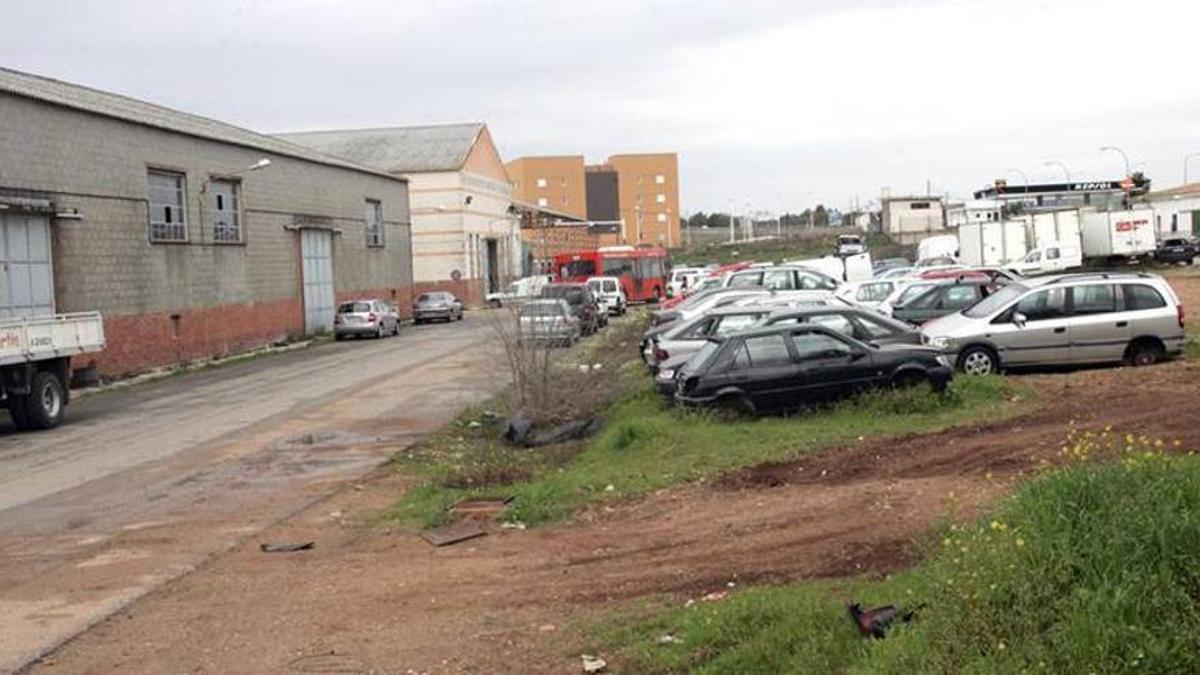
{"points": [[666, 374], [940, 342]]}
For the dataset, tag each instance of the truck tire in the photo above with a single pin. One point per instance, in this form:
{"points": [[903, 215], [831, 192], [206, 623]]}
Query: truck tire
{"points": [[45, 403]]}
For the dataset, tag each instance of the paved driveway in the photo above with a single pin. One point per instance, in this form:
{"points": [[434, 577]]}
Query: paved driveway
{"points": [[141, 485]]}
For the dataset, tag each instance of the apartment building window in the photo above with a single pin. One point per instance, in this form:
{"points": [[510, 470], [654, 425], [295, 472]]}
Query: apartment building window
{"points": [[660, 198], [168, 217], [226, 219], [541, 182], [660, 179], [662, 218], [543, 202], [374, 222]]}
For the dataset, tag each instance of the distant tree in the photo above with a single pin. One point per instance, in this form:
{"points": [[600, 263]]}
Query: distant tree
{"points": [[820, 216], [718, 220], [697, 220]]}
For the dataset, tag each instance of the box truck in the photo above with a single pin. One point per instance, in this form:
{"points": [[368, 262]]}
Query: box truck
{"points": [[991, 243], [1118, 234]]}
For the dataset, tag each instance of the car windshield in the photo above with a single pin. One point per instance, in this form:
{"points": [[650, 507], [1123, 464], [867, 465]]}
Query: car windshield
{"points": [[996, 301], [354, 307], [702, 355], [541, 309], [912, 292]]}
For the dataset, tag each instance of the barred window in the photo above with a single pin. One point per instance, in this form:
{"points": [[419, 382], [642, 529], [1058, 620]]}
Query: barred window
{"points": [[374, 221], [226, 220], [168, 217]]}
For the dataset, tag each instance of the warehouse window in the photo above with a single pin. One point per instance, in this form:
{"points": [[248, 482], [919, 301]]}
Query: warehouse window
{"points": [[374, 219], [226, 221], [168, 218], [917, 206]]}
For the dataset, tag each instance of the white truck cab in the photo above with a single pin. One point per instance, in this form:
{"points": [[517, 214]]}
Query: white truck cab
{"points": [[1052, 256], [609, 294]]}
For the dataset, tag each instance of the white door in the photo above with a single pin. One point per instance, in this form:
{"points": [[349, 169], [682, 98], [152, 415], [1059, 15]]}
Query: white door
{"points": [[316, 250], [27, 284]]}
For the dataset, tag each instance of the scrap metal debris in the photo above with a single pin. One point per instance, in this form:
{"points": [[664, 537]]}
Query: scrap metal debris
{"points": [[873, 623], [593, 664], [481, 505], [453, 533], [521, 431], [287, 548]]}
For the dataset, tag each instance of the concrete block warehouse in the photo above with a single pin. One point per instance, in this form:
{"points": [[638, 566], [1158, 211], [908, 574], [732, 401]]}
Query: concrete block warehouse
{"points": [[192, 237]]}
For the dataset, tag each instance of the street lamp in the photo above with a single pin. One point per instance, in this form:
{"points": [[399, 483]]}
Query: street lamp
{"points": [[1066, 171], [1185, 165], [1020, 173], [732, 232], [260, 164], [1123, 156]]}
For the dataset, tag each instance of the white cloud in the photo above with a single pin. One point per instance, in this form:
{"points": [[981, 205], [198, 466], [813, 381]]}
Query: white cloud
{"points": [[774, 102]]}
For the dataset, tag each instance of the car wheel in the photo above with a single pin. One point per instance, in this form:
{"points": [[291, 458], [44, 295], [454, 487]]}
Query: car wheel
{"points": [[732, 407], [1143, 353], [978, 360], [908, 380], [338, 337], [45, 403]]}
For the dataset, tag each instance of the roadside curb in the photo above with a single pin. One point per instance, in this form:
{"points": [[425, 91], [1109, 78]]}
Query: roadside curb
{"points": [[190, 367]]}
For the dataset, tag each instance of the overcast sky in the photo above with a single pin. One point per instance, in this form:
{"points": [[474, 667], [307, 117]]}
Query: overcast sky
{"points": [[773, 104]]}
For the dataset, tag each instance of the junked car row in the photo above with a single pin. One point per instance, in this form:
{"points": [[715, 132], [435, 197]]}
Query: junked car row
{"points": [[563, 313], [757, 347]]}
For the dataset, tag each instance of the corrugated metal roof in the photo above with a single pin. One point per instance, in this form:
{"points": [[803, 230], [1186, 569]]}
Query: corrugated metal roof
{"points": [[133, 110], [442, 147]]}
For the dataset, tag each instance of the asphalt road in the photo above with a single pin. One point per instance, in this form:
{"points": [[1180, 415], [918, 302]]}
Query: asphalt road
{"points": [[141, 485]]}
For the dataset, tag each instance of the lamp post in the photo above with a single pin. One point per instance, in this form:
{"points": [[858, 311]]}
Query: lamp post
{"points": [[260, 164], [1020, 173], [732, 232], [1185, 165], [1066, 171], [1124, 156]]}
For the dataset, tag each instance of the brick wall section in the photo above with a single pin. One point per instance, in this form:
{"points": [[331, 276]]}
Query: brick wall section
{"points": [[225, 297]]}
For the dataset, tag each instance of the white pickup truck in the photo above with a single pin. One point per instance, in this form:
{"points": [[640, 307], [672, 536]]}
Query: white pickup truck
{"points": [[35, 364]]}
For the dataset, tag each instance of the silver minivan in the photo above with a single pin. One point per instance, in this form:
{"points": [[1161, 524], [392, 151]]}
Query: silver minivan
{"points": [[1065, 319]]}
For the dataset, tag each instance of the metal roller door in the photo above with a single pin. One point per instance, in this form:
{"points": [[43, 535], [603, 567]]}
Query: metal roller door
{"points": [[316, 249], [27, 284]]}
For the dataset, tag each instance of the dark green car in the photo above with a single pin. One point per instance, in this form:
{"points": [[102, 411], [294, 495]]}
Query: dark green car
{"points": [[944, 299]]}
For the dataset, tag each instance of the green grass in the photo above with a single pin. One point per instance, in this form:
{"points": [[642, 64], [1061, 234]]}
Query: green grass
{"points": [[647, 445], [789, 248], [1090, 568]]}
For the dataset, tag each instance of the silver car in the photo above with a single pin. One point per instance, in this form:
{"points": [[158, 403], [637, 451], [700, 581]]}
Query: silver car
{"points": [[548, 320], [437, 305], [686, 337], [1065, 319], [374, 318]]}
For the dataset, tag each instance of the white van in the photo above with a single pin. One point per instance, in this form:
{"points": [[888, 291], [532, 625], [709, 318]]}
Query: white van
{"points": [[1053, 256], [683, 279]]}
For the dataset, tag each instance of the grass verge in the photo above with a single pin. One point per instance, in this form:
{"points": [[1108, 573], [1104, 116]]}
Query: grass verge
{"points": [[1090, 568], [647, 445]]}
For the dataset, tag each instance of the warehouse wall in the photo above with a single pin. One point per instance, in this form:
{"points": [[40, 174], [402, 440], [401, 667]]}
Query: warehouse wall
{"points": [[165, 302]]}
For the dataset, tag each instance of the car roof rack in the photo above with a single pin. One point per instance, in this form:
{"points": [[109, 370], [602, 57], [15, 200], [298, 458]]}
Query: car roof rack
{"points": [[1099, 274]]}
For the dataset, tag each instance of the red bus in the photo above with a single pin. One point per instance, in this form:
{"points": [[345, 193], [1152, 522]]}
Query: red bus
{"points": [[642, 269]]}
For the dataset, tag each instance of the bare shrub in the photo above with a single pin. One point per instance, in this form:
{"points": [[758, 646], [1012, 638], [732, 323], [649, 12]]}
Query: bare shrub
{"points": [[552, 384]]}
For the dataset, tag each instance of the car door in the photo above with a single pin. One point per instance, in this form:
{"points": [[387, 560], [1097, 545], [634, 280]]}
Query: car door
{"points": [[1044, 335], [1100, 332], [772, 373], [830, 366]]}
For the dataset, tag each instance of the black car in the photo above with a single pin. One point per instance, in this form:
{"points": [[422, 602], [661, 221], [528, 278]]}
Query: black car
{"points": [[944, 299], [854, 322], [1176, 250], [784, 368], [584, 305]]}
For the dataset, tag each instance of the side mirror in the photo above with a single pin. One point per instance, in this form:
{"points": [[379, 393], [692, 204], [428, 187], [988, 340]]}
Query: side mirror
{"points": [[1019, 319]]}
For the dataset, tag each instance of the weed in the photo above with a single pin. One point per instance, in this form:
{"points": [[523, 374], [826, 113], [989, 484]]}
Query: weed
{"points": [[1093, 567]]}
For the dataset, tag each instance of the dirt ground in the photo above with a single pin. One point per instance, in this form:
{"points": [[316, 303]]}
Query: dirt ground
{"points": [[370, 600]]}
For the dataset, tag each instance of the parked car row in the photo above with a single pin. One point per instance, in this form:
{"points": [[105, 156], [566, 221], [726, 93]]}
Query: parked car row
{"points": [[757, 348], [564, 313], [372, 317]]}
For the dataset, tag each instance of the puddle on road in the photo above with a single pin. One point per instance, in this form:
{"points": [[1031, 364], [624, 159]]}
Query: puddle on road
{"points": [[329, 439]]}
